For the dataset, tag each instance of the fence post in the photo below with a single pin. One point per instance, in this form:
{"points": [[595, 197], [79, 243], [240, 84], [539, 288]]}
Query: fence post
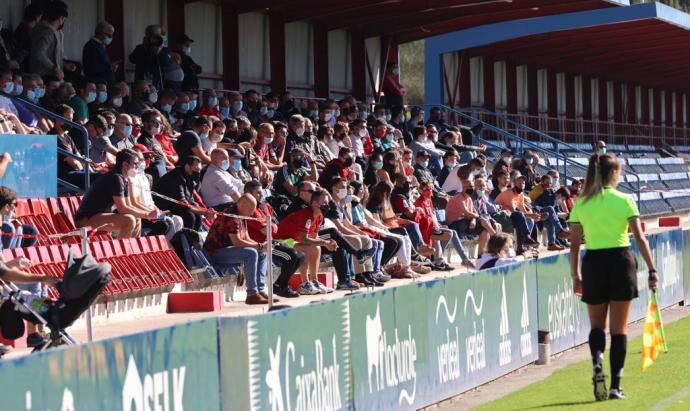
{"points": [[85, 251]]}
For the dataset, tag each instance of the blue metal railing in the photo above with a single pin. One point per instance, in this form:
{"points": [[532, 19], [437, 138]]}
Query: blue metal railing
{"points": [[510, 134], [75, 126]]}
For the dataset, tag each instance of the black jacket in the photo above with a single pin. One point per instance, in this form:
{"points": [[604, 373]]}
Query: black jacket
{"points": [[97, 67], [174, 184]]}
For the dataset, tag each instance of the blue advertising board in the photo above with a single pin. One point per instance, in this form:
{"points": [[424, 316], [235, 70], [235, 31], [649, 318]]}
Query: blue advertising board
{"points": [[33, 171]]}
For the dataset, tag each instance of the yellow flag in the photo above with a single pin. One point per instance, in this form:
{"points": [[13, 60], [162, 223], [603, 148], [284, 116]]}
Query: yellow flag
{"points": [[653, 338]]}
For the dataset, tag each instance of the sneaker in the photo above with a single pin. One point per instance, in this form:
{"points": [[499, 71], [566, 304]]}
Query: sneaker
{"points": [[361, 279], [372, 280], [348, 286], [321, 287], [599, 381], [35, 340], [286, 292], [617, 394], [442, 266], [420, 259], [307, 288], [381, 277]]}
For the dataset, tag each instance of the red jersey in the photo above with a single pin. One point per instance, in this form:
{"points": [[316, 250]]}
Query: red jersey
{"points": [[209, 111], [302, 221], [256, 228]]}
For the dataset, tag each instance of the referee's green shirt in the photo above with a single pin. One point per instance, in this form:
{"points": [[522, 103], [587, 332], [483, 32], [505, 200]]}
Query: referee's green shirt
{"points": [[604, 219]]}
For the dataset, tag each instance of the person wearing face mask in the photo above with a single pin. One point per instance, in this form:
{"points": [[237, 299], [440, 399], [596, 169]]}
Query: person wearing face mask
{"points": [[224, 108], [152, 125], [601, 147], [165, 102], [179, 184], [545, 203], [190, 68], [264, 148], [450, 163], [140, 197], [152, 56], [122, 134], [421, 142], [47, 47], [214, 137], [338, 168], [423, 173], [210, 105], [392, 89], [500, 251], [462, 217], [68, 168], [521, 215], [538, 190], [252, 106], [374, 172], [97, 65], [110, 192], [469, 171], [140, 101], [87, 95], [297, 136], [300, 167], [359, 137], [189, 142], [99, 144], [219, 188]]}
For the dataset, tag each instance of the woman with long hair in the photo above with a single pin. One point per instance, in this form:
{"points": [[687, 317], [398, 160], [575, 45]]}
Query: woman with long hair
{"points": [[607, 277]]}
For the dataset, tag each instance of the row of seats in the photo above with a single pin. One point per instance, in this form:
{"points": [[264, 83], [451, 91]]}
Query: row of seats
{"points": [[580, 150], [658, 203], [144, 265]]}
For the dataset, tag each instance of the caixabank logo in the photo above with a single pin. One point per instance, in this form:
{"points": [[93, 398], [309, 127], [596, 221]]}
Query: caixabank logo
{"points": [[295, 373]]}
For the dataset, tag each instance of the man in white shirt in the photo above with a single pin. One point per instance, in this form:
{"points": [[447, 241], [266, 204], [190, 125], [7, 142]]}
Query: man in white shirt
{"points": [[218, 187]]}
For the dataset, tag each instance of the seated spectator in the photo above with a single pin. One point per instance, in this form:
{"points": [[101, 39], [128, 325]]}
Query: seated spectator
{"points": [[228, 243], [450, 163], [462, 217], [295, 171], [68, 168], [179, 185], [99, 144], [564, 201], [374, 172], [140, 197], [526, 165], [503, 165], [485, 207], [302, 228], [152, 125], [142, 95], [422, 173], [86, 95], [425, 207], [338, 168], [407, 216], [500, 252], [219, 188], [287, 258], [265, 148], [210, 104], [502, 184], [522, 218], [537, 190], [469, 171], [165, 102], [363, 269], [297, 137], [111, 191], [189, 142], [122, 134], [10, 124], [214, 137], [546, 205], [166, 142], [421, 142]]}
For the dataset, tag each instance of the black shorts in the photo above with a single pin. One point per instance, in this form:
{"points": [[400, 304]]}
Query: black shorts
{"points": [[609, 275]]}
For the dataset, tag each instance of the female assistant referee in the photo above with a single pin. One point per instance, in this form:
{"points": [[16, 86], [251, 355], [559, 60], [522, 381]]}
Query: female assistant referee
{"points": [[607, 280]]}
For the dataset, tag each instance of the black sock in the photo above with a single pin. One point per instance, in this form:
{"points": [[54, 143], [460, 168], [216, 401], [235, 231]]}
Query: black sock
{"points": [[619, 347], [597, 346]]}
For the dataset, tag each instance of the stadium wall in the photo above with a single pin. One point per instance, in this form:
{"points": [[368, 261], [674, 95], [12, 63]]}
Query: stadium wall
{"points": [[399, 348]]}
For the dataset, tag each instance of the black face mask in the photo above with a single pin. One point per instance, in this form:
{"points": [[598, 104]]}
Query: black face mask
{"points": [[299, 163], [348, 162], [405, 187], [518, 190], [195, 176], [325, 208]]}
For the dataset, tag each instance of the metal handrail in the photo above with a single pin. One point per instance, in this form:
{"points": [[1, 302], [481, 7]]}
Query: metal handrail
{"points": [[73, 124], [521, 142]]}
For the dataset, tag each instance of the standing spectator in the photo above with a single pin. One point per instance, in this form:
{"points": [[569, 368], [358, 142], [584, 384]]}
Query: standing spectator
{"points": [[229, 243], [392, 89], [151, 57], [22, 34], [97, 65], [189, 67], [47, 47], [179, 185], [111, 191]]}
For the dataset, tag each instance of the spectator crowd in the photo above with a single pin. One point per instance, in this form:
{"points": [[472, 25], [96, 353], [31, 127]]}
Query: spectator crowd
{"points": [[382, 190]]}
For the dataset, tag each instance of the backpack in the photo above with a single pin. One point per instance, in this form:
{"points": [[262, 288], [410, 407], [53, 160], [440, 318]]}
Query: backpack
{"points": [[188, 246]]}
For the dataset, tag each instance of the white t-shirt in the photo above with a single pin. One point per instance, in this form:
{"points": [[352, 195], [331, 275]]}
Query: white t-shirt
{"points": [[453, 182]]}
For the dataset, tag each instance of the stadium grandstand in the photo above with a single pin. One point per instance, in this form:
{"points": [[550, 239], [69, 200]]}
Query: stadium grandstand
{"points": [[237, 205]]}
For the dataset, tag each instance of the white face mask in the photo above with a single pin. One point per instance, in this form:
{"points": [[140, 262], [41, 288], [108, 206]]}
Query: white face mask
{"points": [[363, 132], [342, 193], [117, 101], [132, 172], [300, 132], [268, 140], [511, 253]]}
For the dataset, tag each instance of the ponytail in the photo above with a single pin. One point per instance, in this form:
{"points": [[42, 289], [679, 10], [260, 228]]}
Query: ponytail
{"points": [[600, 173]]}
